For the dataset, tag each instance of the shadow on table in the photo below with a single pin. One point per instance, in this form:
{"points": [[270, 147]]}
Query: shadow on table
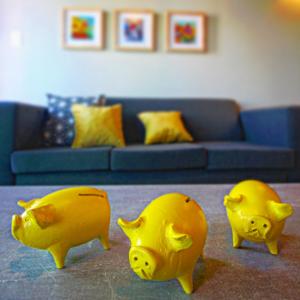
{"points": [[32, 263], [205, 270], [285, 243]]}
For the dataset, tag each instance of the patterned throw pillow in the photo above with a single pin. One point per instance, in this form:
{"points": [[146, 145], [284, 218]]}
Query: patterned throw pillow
{"points": [[59, 128]]}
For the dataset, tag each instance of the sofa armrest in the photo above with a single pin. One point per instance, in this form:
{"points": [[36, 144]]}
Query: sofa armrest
{"points": [[273, 126], [20, 128]]}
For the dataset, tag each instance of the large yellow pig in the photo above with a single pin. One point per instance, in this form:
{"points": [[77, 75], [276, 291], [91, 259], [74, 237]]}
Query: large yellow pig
{"points": [[167, 239], [255, 213], [62, 220]]}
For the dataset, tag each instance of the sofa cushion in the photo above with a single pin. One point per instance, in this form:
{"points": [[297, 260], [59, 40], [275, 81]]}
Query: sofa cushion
{"points": [[158, 157], [205, 119], [242, 155], [60, 159]]}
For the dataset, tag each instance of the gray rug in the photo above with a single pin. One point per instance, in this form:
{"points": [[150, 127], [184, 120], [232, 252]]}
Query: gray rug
{"points": [[92, 273]]}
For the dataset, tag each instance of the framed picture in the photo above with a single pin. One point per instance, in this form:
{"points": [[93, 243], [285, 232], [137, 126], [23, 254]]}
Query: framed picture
{"points": [[134, 30], [186, 31], [83, 28]]}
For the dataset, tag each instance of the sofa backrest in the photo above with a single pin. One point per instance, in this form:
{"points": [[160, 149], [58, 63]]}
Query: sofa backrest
{"points": [[206, 119]]}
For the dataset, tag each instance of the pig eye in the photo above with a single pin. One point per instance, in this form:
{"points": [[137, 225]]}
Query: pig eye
{"points": [[265, 225], [187, 200], [135, 258], [252, 222], [146, 263]]}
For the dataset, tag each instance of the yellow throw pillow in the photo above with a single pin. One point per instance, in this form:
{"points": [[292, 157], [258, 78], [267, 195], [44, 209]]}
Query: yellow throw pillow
{"points": [[95, 126], [164, 127]]}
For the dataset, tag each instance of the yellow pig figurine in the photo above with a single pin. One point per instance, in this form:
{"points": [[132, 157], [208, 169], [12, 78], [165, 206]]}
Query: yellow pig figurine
{"points": [[256, 214], [62, 220], [167, 239]]}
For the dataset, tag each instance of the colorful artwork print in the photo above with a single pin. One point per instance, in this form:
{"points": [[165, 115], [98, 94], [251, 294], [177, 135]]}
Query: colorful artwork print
{"points": [[185, 32], [134, 30], [83, 28]]}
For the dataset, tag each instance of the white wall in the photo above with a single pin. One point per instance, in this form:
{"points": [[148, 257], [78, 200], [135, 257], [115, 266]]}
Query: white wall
{"points": [[253, 57]]}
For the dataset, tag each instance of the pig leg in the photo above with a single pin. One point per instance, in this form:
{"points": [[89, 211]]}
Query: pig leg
{"points": [[186, 282], [272, 246], [59, 252], [236, 239], [104, 240]]}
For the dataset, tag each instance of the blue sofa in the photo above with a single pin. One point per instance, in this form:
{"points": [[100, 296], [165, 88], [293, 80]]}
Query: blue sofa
{"points": [[229, 146]]}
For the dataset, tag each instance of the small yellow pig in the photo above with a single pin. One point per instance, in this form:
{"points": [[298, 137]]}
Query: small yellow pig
{"points": [[62, 220], [167, 239], [256, 214]]}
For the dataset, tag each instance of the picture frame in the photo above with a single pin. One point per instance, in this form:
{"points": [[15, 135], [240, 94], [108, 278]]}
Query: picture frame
{"points": [[186, 31], [134, 30], [83, 28]]}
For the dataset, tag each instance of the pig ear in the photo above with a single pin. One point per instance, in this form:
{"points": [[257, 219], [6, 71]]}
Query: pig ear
{"points": [[23, 204], [129, 226], [44, 215], [232, 202], [178, 240], [26, 205], [280, 210]]}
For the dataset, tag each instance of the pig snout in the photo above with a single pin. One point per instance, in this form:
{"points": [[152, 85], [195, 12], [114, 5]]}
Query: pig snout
{"points": [[258, 227], [15, 225], [143, 262]]}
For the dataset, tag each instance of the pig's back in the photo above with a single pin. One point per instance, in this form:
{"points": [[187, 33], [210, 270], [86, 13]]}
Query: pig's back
{"points": [[71, 197]]}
